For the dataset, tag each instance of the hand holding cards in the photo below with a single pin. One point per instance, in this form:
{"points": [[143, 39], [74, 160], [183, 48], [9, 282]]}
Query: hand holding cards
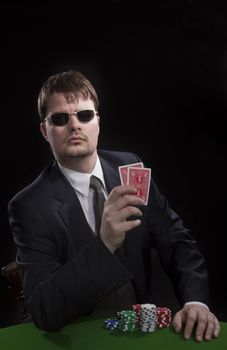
{"points": [[138, 176]]}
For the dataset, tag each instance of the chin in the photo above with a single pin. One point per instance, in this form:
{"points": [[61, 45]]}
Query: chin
{"points": [[78, 154]]}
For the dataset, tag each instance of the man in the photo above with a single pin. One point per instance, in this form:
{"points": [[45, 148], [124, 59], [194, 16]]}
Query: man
{"points": [[69, 268]]}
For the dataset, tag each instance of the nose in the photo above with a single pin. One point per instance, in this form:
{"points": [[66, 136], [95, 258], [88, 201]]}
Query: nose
{"points": [[74, 123]]}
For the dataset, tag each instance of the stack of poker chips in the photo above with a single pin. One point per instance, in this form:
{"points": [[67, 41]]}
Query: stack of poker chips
{"points": [[127, 320], [163, 315], [148, 317], [137, 309], [111, 323]]}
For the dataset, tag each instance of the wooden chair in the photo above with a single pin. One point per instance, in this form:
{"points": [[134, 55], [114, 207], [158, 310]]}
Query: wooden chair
{"points": [[12, 274]]}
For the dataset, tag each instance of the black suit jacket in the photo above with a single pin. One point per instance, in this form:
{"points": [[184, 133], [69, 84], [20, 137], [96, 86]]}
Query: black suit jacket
{"points": [[66, 271]]}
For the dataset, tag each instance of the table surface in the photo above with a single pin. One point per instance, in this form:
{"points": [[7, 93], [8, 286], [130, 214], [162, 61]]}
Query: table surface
{"points": [[91, 334]]}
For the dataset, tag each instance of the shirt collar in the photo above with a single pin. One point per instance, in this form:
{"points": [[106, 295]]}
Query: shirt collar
{"points": [[81, 181]]}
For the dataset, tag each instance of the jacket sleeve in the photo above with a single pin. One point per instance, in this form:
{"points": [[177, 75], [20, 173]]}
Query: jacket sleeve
{"points": [[178, 251], [57, 293]]}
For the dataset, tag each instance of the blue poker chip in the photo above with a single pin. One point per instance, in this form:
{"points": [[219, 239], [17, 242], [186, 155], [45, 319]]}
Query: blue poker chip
{"points": [[111, 324]]}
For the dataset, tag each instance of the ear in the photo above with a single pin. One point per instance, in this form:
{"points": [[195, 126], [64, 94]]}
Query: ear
{"points": [[44, 131], [98, 124]]}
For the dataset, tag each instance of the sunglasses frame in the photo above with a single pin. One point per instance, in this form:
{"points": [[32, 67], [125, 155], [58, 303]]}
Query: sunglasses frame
{"points": [[68, 115]]}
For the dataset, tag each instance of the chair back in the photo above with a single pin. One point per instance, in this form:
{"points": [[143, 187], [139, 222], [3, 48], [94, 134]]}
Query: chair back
{"points": [[11, 272]]}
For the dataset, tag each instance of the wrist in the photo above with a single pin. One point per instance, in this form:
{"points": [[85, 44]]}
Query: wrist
{"points": [[195, 303]]}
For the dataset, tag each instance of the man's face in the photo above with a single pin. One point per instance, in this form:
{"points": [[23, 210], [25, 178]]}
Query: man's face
{"points": [[75, 140]]}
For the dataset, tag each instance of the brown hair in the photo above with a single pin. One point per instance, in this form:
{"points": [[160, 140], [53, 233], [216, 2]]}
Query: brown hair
{"points": [[72, 84]]}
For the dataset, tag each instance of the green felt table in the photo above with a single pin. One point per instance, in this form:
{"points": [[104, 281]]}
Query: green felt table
{"points": [[90, 334]]}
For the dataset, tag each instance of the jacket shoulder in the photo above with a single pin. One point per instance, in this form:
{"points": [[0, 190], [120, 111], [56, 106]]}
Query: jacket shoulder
{"points": [[118, 157], [35, 188]]}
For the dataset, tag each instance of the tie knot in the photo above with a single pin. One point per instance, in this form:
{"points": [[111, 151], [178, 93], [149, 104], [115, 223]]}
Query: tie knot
{"points": [[95, 183]]}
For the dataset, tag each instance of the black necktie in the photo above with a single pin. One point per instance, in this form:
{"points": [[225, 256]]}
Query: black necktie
{"points": [[98, 201]]}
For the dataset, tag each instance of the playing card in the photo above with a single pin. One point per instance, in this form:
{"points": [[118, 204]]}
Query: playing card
{"points": [[123, 171], [140, 179]]}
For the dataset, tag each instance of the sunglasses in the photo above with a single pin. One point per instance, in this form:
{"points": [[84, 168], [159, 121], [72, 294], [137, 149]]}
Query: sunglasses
{"points": [[61, 118]]}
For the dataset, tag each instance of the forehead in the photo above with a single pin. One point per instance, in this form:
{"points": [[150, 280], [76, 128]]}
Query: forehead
{"points": [[68, 103]]}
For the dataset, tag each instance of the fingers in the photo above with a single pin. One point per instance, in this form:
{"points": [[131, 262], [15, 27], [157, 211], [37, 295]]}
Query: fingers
{"points": [[127, 225], [125, 213], [177, 322], [199, 317], [117, 219], [120, 205], [207, 326], [202, 325], [123, 201], [116, 213], [217, 327], [123, 193], [213, 327]]}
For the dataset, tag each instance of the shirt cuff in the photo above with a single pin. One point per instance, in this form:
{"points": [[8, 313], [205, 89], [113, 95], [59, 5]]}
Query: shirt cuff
{"points": [[196, 302]]}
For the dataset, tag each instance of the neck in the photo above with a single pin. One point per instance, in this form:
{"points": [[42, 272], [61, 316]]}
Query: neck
{"points": [[83, 164]]}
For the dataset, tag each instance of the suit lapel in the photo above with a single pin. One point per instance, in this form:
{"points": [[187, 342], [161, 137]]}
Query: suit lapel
{"points": [[70, 210], [111, 175]]}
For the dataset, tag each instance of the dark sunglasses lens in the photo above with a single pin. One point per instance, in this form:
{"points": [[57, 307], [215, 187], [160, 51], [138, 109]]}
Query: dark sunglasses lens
{"points": [[85, 116], [60, 119]]}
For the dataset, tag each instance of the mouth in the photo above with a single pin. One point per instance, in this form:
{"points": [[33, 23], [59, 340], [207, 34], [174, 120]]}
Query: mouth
{"points": [[76, 139]]}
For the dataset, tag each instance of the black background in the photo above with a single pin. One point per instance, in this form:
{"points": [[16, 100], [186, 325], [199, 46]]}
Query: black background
{"points": [[161, 76]]}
